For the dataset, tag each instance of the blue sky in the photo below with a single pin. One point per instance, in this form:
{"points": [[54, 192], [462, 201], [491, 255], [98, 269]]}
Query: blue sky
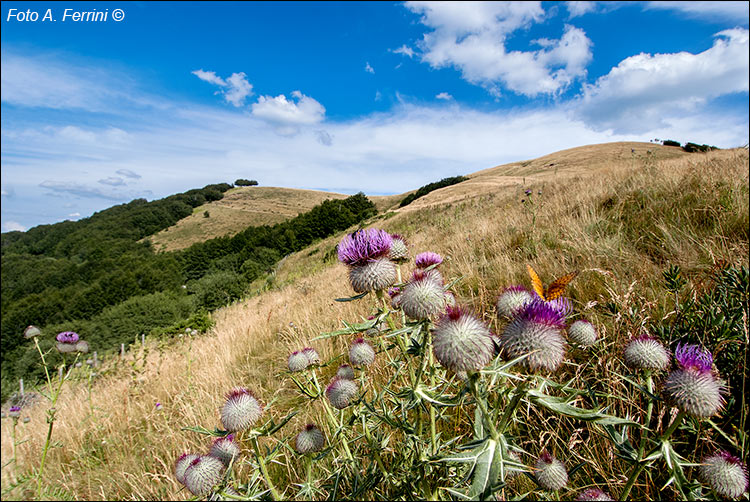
{"points": [[376, 97]]}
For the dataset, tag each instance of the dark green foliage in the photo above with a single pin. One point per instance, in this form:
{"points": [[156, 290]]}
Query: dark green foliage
{"points": [[670, 142], [693, 147], [93, 277], [245, 183], [430, 187]]}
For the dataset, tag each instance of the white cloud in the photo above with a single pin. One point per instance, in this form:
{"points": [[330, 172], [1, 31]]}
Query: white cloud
{"points": [[445, 96], [470, 36], [289, 114], [728, 11], [576, 9], [128, 173], [369, 69], [74, 215], [112, 181], [12, 226], [235, 88], [406, 51], [645, 90]]}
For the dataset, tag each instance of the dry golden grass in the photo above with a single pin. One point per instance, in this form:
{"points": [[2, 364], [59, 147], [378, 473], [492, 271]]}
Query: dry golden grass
{"points": [[126, 449]]}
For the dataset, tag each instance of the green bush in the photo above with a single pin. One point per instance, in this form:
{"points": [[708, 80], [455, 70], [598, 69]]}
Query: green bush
{"points": [[217, 289]]}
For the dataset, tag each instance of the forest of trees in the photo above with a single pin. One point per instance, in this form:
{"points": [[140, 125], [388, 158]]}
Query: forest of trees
{"points": [[93, 276], [422, 191]]}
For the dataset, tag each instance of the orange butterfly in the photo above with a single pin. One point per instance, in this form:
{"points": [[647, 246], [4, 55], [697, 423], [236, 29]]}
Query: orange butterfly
{"points": [[555, 289]]}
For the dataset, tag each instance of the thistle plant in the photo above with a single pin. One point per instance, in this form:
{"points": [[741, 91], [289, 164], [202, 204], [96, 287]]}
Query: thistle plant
{"points": [[428, 406]]}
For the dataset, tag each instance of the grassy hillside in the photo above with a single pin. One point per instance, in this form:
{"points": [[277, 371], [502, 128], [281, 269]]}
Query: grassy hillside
{"points": [[619, 217], [241, 207]]}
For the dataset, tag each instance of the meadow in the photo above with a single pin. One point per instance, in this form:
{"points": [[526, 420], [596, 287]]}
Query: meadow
{"points": [[659, 238]]}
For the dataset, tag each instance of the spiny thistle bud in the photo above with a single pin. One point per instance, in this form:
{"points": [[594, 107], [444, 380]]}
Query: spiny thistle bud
{"points": [[399, 251], [340, 392], [309, 440], [422, 297], [241, 410], [594, 494], [693, 388], [202, 474], [182, 464], [82, 346], [512, 300], [646, 353], [550, 472], [312, 355], [373, 275], [725, 473], [297, 361], [583, 333], [345, 371], [31, 332], [538, 329], [364, 246], [361, 353], [461, 342], [225, 449]]}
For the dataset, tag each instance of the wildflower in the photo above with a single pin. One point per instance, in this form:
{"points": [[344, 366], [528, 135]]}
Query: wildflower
{"points": [[583, 333], [527, 191], [309, 440], [366, 253], [512, 300], [562, 305], [241, 410], [361, 353], [31, 332], [594, 494], [725, 473], [537, 329], [297, 361], [550, 472], [345, 371], [461, 342], [340, 392], [225, 449], [693, 388], [312, 355], [66, 341], [422, 297], [158, 406], [202, 474], [182, 464], [14, 412], [646, 353], [399, 251]]}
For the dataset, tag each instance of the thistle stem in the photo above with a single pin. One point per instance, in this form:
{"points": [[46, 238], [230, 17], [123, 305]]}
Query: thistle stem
{"points": [[511, 408], [473, 377], [638, 469], [262, 463], [649, 410], [51, 420]]}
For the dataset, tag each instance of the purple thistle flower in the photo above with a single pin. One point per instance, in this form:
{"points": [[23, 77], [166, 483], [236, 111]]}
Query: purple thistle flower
{"points": [[527, 191], [428, 258], [695, 357], [67, 337], [594, 494], [364, 246], [536, 330]]}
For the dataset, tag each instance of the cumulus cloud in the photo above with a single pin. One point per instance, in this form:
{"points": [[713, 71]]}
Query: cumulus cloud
{"points": [[470, 36], [643, 91], [235, 89], [445, 96], [369, 69], [576, 9], [324, 138], [289, 114]]}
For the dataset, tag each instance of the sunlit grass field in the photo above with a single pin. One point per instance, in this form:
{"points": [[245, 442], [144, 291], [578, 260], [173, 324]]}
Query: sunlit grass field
{"points": [[620, 214]]}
